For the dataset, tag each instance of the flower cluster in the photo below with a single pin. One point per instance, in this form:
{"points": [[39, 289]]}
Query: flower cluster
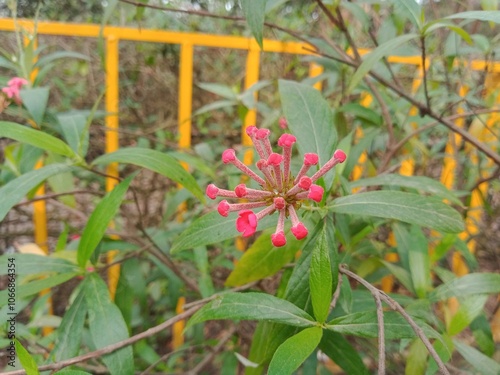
{"points": [[13, 89], [280, 190]]}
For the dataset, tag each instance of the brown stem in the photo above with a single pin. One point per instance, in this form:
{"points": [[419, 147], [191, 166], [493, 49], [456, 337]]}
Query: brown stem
{"points": [[56, 195], [397, 307], [113, 347]]}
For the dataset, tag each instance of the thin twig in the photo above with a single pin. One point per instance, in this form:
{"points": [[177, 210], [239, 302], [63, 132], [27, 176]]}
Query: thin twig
{"points": [[113, 347], [422, 108], [336, 295], [381, 334], [56, 195], [397, 307]]}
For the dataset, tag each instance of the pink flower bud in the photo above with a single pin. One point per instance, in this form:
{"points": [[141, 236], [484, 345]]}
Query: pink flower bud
{"points": [[283, 123], [274, 159], [286, 140], [316, 193], [278, 239], [241, 190], [223, 208], [212, 191], [279, 203], [339, 155], [299, 231], [305, 182], [228, 156], [311, 159], [251, 130], [262, 133], [246, 223]]}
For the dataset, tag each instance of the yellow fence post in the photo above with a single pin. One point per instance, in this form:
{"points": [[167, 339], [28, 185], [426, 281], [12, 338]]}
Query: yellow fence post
{"points": [[184, 129], [112, 140]]}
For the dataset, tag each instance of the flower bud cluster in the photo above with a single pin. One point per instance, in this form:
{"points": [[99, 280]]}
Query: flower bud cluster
{"points": [[279, 190]]}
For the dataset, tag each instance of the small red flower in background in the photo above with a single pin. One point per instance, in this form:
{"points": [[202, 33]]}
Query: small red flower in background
{"points": [[280, 190]]}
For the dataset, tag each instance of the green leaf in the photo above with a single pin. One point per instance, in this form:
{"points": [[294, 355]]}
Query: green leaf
{"points": [[437, 24], [420, 183], [255, 11], [416, 361], [473, 283], [310, 119], [35, 287], [35, 138], [480, 15], [364, 324], [70, 330], [27, 361], [320, 279], [413, 9], [72, 372], [218, 89], [107, 326], [419, 262], [469, 309], [407, 207], [16, 189], [335, 346], [29, 264], [482, 363], [481, 329], [378, 53], [35, 100], [294, 351], [73, 126], [156, 161], [212, 228], [59, 55], [261, 260], [252, 306], [99, 220]]}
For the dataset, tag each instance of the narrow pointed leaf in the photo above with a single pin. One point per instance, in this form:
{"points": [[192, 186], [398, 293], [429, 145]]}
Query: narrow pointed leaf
{"points": [[15, 190], [338, 348], [29, 264], [70, 330], [420, 183], [33, 137], [320, 279], [413, 9], [407, 207], [255, 11], [107, 326], [482, 363], [480, 15], [374, 57], [364, 324], [473, 283], [294, 351], [27, 361], [35, 287], [99, 220], [156, 161], [212, 228], [261, 260], [252, 306], [310, 119]]}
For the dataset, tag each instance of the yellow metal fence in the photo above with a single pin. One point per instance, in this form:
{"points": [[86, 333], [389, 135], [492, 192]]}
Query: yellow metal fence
{"points": [[187, 41]]}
